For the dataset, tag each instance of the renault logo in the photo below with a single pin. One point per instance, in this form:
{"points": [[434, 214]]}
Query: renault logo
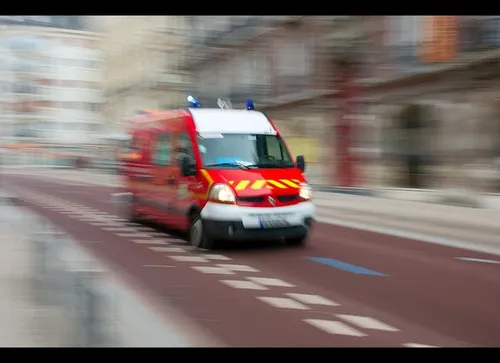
{"points": [[272, 201]]}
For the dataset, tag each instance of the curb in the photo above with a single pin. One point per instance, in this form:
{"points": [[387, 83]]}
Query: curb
{"points": [[346, 190], [444, 197]]}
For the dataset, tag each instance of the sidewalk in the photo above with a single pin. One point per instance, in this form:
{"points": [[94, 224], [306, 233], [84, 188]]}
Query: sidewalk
{"points": [[123, 316], [470, 228], [23, 322]]}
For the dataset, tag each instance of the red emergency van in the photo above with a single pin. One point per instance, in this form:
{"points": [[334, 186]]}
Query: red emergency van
{"points": [[218, 174]]}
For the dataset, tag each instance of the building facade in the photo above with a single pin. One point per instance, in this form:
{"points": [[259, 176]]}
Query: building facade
{"points": [[418, 123], [142, 66], [282, 62], [50, 84]]}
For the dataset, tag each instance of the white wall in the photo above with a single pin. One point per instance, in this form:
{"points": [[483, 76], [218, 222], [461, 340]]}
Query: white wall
{"points": [[73, 120]]}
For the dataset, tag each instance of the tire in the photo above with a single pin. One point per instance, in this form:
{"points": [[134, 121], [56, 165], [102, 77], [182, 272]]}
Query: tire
{"points": [[296, 242], [197, 237]]}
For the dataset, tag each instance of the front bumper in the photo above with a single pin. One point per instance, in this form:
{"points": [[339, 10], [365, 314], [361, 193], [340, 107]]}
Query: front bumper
{"points": [[232, 222], [235, 230]]}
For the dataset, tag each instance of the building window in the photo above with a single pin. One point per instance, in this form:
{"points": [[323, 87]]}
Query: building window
{"points": [[404, 37], [292, 58]]}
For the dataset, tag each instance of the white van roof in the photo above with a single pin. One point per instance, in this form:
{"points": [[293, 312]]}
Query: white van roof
{"points": [[212, 120]]}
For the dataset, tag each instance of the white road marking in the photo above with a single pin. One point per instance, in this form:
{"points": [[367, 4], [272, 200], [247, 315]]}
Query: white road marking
{"points": [[99, 224], [174, 240], [248, 285], [335, 327], [312, 299], [471, 259], [149, 242], [120, 194], [270, 281], [366, 322], [238, 268], [167, 249], [142, 229], [158, 234], [416, 345], [213, 270], [217, 257], [188, 258], [134, 235], [158, 266], [283, 303], [120, 229], [114, 219], [95, 219]]}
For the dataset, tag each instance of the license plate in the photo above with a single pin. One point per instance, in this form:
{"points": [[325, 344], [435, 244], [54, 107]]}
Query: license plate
{"points": [[274, 222]]}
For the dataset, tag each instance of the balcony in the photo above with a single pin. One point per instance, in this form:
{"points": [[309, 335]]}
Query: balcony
{"points": [[479, 34], [202, 48], [479, 43]]}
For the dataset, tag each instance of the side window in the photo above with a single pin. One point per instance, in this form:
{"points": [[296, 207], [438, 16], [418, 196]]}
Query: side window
{"points": [[163, 150], [275, 148], [184, 146]]}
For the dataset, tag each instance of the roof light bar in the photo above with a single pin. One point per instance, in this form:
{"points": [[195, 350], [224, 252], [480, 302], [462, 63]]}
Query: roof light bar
{"points": [[193, 101]]}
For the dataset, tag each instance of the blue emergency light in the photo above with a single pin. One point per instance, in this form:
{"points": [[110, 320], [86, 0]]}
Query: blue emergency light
{"points": [[249, 104], [193, 101]]}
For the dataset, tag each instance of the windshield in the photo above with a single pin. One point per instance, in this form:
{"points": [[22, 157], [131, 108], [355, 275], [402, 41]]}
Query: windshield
{"points": [[243, 151]]}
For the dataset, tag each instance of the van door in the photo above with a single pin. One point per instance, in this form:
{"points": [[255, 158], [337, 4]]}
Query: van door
{"points": [[185, 185], [163, 181]]}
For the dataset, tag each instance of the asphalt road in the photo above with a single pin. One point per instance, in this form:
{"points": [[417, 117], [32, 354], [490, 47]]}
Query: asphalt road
{"points": [[347, 288]]}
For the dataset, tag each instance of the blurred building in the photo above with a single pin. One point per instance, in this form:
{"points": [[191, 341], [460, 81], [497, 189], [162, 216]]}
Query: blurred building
{"points": [[50, 81], [423, 96], [281, 62], [142, 66], [434, 94]]}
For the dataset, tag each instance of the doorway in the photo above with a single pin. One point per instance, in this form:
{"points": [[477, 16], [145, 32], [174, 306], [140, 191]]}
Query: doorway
{"points": [[411, 149]]}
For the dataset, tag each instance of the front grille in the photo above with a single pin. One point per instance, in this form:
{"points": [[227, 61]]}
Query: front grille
{"points": [[252, 199], [288, 198], [281, 198]]}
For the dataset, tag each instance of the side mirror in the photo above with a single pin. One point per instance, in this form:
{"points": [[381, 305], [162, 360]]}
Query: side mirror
{"points": [[301, 163], [188, 167]]}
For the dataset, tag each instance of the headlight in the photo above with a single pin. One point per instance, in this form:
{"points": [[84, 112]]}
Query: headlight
{"points": [[305, 191], [221, 193]]}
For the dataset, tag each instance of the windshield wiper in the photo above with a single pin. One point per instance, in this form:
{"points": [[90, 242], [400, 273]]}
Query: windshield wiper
{"points": [[270, 165], [241, 166]]}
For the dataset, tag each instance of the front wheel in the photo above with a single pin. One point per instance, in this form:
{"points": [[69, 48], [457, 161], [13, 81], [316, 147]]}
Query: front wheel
{"points": [[197, 236]]}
